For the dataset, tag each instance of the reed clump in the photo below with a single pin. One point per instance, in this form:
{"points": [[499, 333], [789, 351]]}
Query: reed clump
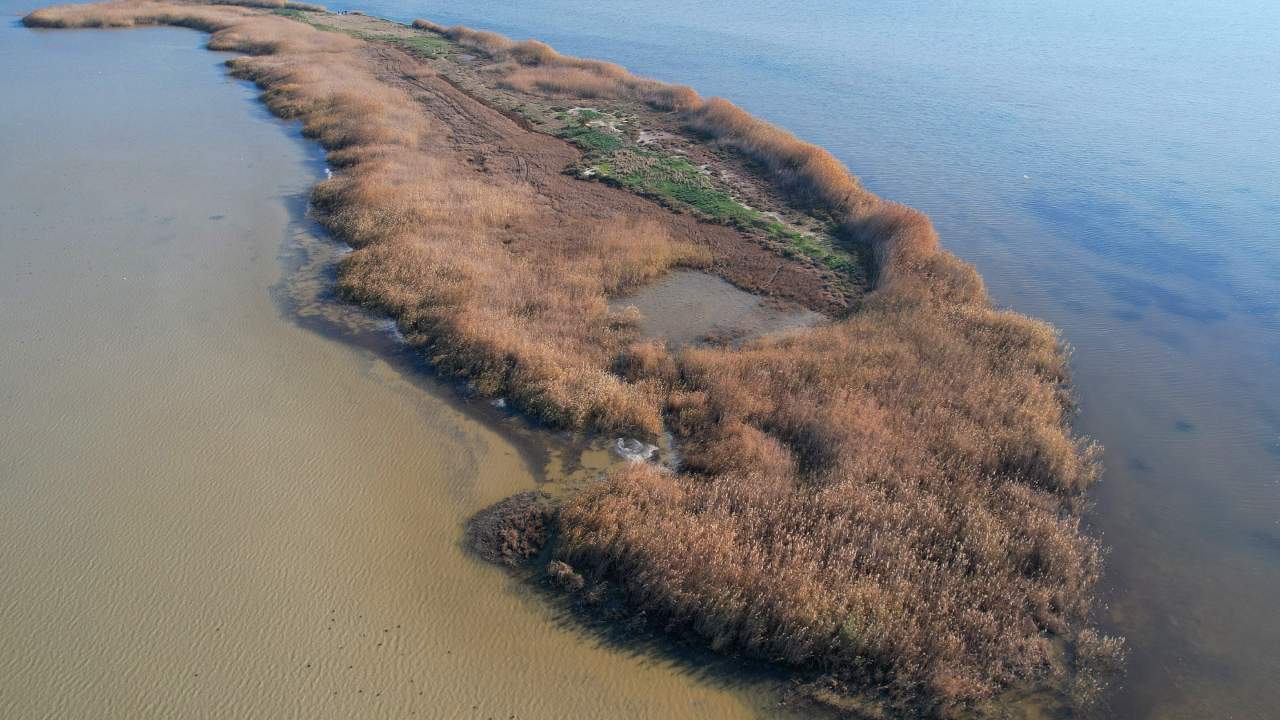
{"points": [[515, 530], [891, 498], [887, 498]]}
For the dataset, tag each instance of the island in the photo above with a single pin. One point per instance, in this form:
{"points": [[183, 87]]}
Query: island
{"points": [[879, 490]]}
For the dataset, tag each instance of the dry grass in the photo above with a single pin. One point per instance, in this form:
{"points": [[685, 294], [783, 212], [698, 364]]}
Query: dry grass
{"points": [[885, 498], [891, 498]]}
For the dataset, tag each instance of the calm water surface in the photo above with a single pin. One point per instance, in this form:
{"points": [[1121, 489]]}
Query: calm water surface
{"points": [[213, 503], [1111, 167]]}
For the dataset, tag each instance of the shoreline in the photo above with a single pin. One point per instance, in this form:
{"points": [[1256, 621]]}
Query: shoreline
{"points": [[599, 374]]}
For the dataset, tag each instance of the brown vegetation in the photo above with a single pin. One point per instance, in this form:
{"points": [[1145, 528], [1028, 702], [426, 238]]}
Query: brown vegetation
{"points": [[891, 498], [884, 497], [513, 531]]}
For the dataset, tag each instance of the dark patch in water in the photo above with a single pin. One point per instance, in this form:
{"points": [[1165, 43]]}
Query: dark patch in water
{"points": [[1174, 340], [216, 217], [1117, 230], [1075, 306], [1144, 294], [1264, 310], [1139, 465], [1184, 426], [1267, 540]]}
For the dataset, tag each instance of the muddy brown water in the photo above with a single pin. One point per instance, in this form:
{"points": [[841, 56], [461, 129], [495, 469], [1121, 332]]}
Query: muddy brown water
{"points": [[222, 494], [688, 307]]}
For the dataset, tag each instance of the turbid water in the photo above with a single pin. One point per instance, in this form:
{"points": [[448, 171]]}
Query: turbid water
{"points": [[1111, 167], [221, 494], [690, 308]]}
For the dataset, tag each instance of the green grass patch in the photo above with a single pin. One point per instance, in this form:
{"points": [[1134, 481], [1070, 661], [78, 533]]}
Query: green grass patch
{"points": [[423, 46], [676, 180], [426, 46], [292, 14], [310, 18], [814, 246], [592, 140], [714, 203], [533, 116]]}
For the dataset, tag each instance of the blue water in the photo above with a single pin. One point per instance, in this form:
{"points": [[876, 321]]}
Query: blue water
{"points": [[1113, 167]]}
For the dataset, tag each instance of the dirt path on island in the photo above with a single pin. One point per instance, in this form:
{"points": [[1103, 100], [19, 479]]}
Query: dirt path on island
{"points": [[485, 140]]}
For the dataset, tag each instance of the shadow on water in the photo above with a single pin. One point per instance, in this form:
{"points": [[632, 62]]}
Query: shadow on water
{"points": [[306, 296], [610, 625], [634, 637]]}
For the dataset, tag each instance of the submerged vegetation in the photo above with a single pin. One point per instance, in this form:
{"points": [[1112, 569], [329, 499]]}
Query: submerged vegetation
{"points": [[891, 498]]}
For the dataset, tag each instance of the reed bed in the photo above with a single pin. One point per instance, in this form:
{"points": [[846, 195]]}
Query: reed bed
{"points": [[892, 498]]}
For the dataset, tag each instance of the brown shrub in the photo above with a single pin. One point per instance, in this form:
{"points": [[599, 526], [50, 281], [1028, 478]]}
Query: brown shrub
{"points": [[560, 82], [647, 360], [271, 4], [803, 169], [887, 498], [513, 531], [1099, 660]]}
